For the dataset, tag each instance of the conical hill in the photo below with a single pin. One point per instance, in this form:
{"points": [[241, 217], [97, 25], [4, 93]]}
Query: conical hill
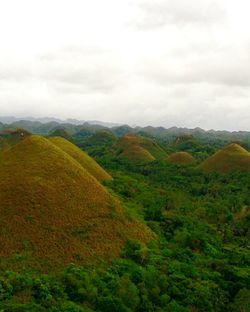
{"points": [[84, 159], [181, 158], [53, 212], [138, 149], [231, 158]]}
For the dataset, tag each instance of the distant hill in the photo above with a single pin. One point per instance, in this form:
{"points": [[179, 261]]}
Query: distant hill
{"points": [[181, 158], [83, 159], [53, 212], [81, 129], [138, 149], [231, 158], [102, 137], [44, 120], [61, 132]]}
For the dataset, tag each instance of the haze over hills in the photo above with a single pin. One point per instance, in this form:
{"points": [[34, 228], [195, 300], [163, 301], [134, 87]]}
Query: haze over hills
{"points": [[12, 119]]}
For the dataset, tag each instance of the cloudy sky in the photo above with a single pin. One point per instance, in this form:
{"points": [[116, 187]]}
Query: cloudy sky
{"points": [[158, 62]]}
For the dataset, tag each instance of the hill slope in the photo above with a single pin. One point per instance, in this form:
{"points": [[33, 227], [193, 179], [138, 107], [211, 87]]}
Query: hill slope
{"points": [[84, 159], [139, 149], [53, 212], [231, 158], [181, 158]]}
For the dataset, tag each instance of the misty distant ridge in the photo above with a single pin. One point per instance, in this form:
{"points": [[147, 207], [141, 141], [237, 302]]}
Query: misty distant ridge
{"points": [[44, 120], [57, 121]]}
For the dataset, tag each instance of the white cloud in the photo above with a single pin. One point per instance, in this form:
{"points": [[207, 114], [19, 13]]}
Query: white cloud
{"points": [[161, 62]]}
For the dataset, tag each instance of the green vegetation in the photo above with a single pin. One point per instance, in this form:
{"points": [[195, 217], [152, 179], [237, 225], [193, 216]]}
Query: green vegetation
{"points": [[10, 137], [61, 132], [159, 236]]}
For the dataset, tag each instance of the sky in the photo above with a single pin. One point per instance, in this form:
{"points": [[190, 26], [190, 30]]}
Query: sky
{"points": [[140, 62]]}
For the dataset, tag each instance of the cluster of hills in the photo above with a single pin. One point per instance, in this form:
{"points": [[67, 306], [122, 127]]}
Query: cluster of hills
{"points": [[108, 219], [54, 209], [45, 126], [139, 150]]}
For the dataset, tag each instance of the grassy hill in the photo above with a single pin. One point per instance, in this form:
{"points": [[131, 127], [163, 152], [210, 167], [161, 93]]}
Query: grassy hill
{"points": [[84, 159], [53, 212], [139, 149], [181, 158], [231, 158]]}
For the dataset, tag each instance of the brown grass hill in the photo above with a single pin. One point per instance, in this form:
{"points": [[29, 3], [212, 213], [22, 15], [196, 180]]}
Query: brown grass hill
{"points": [[231, 158], [181, 158], [83, 159], [53, 212], [138, 149]]}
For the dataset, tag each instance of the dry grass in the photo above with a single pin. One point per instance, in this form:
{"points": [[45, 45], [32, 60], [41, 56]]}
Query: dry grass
{"points": [[84, 159], [54, 212], [181, 158], [231, 158]]}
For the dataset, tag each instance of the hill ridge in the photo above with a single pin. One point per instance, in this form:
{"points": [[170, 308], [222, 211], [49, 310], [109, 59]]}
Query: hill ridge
{"points": [[83, 158]]}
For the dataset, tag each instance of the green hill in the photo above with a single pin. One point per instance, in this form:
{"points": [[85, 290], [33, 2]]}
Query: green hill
{"points": [[102, 137], [231, 158], [53, 212], [181, 158], [84, 159], [61, 132], [10, 137], [138, 149]]}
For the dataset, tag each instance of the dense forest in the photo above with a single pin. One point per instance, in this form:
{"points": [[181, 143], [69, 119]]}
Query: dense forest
{"points": [[198, 256]]}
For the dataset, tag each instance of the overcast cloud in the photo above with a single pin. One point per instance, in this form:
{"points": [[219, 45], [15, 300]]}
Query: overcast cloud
{"points": [[144, 62]]}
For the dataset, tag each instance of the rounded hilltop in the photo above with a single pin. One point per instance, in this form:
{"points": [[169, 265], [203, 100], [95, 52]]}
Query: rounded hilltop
{"points": [[181, 158], [138, 149], [231, 158], [61, 132], [54, 212], [103, 136]]}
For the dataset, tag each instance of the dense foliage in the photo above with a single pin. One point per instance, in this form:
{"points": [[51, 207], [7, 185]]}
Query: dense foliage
{"points": [[198, 261]]}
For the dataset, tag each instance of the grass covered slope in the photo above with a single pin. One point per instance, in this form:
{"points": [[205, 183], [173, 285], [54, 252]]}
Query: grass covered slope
{"points": [[181, 158], [231, 158], [53, 212], [84, 159], [139, 149]]}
